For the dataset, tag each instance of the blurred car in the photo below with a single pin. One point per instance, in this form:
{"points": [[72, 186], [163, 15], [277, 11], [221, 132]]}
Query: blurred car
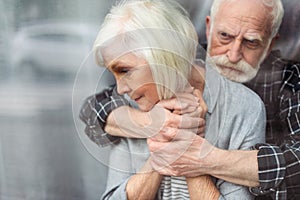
{"points": [[51, 47]]}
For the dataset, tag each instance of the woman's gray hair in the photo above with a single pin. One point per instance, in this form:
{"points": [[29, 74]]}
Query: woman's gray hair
{"points": [[276, 14], [158, 30]]}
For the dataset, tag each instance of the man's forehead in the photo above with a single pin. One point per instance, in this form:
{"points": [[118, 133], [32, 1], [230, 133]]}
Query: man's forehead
{"points": [[237, 15], [248, 33], [244, 9]]}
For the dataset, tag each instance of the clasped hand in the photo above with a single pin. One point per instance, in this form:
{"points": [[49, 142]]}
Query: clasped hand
{"points": [[178, 148]]}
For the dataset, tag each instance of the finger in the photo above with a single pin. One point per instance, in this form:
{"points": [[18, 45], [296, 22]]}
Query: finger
{"points": [[187, 122], [155, 145], [160, 137], [189, 90], [177, 135], [192, 111], [177, 112], [172, 104], [187, 97], [197, 93], [198, 131], [202, 103], [202, 134]]}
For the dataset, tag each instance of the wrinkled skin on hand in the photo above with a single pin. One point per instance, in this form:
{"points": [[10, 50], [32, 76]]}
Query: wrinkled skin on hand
{"points": [[189, 109], [185, 111], [181, 152], [184, 154]]}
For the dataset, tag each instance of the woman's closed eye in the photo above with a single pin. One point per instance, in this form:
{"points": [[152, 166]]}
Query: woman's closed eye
{"points": [[123, 70], [120, 70]]}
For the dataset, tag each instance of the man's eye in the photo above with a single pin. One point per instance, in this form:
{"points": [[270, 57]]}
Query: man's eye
{"points": [[225, 38], [252, 43], [224, 35]]}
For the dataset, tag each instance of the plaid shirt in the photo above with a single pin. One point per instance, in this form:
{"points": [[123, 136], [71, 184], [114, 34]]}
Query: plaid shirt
{"points": [[277, 83], [94, 112]]}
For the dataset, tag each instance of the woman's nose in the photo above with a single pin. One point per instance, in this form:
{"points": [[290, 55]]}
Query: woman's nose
{"points": [[122, 87]]}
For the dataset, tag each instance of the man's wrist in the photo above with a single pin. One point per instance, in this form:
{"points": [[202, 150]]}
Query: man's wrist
{"points": [[215, 163], [272, 169], [236, 166]]}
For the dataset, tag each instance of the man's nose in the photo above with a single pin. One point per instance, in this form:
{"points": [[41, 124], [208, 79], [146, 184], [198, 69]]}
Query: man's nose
{"points": [[122, 87], [234, 53]]}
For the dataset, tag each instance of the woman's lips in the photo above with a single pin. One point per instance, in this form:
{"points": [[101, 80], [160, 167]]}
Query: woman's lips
{"points": [[136, 99]]}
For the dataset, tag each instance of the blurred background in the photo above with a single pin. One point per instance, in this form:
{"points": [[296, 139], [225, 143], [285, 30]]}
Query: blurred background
{"points": [[46, 71]]}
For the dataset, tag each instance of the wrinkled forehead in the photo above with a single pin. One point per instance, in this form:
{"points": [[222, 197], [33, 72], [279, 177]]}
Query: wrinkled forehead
{"points": [[249, 14]]}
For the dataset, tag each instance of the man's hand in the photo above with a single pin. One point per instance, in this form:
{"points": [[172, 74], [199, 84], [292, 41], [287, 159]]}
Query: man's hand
{"points": [[190, 102], [183, 112], [183, 153], [190, 108]]}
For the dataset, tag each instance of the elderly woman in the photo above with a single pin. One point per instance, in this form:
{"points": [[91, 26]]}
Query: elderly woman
{"points": [[150, 46]]}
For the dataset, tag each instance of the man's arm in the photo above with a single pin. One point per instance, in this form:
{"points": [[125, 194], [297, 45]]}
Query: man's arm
{"points": [[279, 165], [200, 157], [94, 112], [108, 117], [132, 123]]}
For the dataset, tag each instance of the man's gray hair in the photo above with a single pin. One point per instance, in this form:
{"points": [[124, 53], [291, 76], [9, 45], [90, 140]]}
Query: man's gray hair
{"points": [[276, 14]]}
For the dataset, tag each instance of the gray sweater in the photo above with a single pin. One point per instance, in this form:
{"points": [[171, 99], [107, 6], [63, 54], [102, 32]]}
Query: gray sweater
{"points": [[235, 120]]}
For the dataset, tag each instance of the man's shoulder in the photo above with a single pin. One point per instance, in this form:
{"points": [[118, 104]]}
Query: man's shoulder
{"points": [[291, 76], [275, 58]]}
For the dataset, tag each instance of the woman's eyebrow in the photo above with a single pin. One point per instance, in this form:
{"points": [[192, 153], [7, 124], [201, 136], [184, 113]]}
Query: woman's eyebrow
{"points": [[118, 64], [114, 65]]}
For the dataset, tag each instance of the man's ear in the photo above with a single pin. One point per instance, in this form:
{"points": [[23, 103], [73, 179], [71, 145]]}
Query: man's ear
{"points": [[274, 39], [208, 24]]}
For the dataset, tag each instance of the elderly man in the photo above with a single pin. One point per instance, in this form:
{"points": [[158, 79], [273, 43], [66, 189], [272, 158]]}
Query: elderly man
{"points": [[240, 35]]}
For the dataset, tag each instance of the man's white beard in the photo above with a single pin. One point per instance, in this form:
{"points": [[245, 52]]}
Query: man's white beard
{"points": [[245, 72], [241, 72]]}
